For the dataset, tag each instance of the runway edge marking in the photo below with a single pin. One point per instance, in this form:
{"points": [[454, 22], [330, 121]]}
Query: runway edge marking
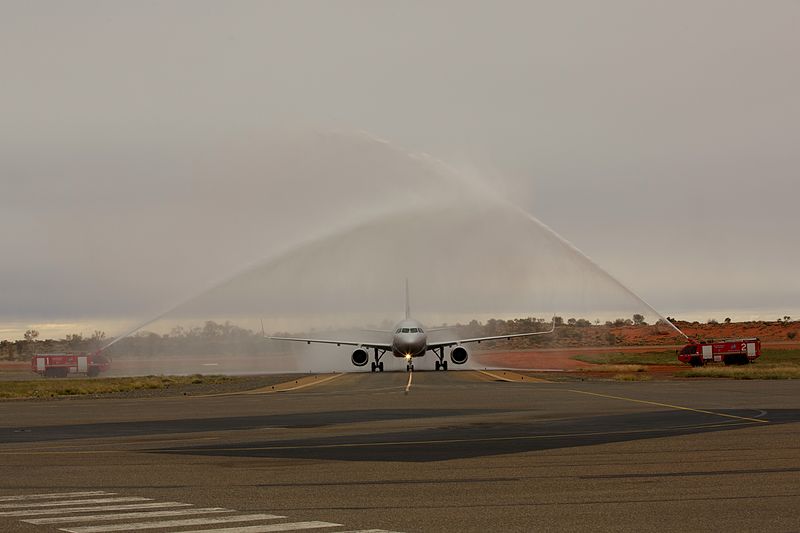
{"points": [[670, 406]]}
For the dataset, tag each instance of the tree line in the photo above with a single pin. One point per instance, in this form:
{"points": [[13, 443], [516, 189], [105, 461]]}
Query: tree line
{"points": [[222, 339]]}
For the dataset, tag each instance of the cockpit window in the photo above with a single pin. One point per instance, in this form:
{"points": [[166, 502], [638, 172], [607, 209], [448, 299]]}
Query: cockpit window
{"points": [[398, 330], [420, 330], [413, 330], [405, 330]]}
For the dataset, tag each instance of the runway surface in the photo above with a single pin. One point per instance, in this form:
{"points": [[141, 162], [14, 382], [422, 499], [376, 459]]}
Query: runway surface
{"points": [[454, 451]]}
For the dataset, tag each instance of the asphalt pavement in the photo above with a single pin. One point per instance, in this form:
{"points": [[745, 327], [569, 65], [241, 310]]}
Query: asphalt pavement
{"points": [[432, 451]]}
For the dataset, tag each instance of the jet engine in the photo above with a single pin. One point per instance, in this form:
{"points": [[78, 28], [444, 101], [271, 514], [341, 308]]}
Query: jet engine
{"points": [[459, 355], [359, 357]]}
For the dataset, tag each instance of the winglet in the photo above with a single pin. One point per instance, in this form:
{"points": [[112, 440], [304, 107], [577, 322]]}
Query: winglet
{"points": [[408, 302], [262, 328]]}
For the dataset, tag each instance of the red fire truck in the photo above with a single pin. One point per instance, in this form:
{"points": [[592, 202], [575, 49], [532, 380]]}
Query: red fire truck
{"points": [[60, 365], [730, 352]]}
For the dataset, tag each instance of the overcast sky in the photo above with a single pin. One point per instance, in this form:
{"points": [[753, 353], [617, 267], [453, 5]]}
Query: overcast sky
{"points": [[138, 139]]}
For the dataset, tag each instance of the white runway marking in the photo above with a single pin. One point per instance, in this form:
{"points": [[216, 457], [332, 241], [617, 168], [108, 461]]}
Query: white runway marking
{"points": [[126, 516], [101, 508], [30, 508], [368, 531], [55, 495], [292, 526], [132, 526], [73, 502]]}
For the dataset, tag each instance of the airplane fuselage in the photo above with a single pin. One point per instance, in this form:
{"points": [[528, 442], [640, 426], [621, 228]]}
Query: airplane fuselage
{"points": [[409, 339]]}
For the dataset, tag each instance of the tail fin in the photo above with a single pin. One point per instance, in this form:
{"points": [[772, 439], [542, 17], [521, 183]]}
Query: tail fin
{"points": [[408, 302]]}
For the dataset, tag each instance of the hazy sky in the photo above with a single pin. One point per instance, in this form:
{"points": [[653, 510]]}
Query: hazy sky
{"points": [[138, 139]]}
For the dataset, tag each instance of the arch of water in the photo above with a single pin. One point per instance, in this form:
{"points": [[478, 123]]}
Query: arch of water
{"points": [[386, 215]]}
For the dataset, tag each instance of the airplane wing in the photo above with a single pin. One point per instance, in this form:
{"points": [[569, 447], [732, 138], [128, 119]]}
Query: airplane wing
{"points": [[444, 344], [378, 345]]}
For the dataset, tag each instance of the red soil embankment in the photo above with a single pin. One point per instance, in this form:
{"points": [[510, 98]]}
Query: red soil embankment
{"points": [[551, 359]]}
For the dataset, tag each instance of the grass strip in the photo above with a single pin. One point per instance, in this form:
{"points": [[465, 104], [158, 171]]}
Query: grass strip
{"points": [[632, 377], [614, 368], [666, 357], [743, 372], [49, 388]]}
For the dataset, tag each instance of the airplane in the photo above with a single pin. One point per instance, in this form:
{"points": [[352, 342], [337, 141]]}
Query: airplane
{"points": [[409, 341]]}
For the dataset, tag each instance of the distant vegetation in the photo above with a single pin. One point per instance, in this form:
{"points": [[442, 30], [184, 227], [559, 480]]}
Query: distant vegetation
{"points": [[211, 339], [25, 348], [227, 339]]}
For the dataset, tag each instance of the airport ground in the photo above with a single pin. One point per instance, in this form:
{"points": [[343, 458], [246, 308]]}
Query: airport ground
{"points": [[455, 451]]}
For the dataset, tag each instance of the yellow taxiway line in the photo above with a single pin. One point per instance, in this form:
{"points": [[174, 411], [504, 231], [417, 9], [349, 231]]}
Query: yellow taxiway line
{"points": [[513, 377], [670, 406], [297, 384], [378, 444]]}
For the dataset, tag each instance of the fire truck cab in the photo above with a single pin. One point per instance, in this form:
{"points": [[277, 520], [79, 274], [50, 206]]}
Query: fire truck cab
{"points": [[729, 352]]}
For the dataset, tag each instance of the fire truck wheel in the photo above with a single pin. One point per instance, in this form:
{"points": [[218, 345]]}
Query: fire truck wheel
{"points": [[93, 372], [696, 361]]}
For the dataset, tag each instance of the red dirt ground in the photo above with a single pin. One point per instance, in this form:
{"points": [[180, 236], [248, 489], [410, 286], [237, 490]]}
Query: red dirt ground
{"points": [[548, 359]]}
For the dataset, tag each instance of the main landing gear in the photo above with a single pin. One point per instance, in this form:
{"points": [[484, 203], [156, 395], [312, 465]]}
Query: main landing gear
{"points": [[441, 364], [377, 365]]}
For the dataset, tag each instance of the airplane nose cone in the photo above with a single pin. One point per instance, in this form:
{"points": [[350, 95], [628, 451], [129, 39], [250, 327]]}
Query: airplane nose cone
{"points": [[412, 344], [416, 346]]}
